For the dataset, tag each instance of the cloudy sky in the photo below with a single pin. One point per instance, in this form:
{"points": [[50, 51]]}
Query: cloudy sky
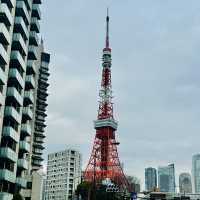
{"points": [[155, 77]]}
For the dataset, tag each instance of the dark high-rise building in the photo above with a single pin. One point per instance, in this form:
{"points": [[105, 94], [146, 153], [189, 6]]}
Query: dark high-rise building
{"points": [[150, 179], [166, 178]]}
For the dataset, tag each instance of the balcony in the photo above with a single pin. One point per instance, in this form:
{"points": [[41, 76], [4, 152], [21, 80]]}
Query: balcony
{"points": [[21, 10], [32, 53], [33, 38], [11, 112], [2, 77], [27, 113], [10, 3], [39, 139], [20, 27], [5, 15], [19, 44], [30, 82], [12, 92], [28, 97], [31, 68], [6, 152], [36, 11], [4, 35], [6, 196], [35, 26], [17, 59], [15, 76], [36, 162], [24, 146], [26, 129], [22, 182], [3, 56], [8, 131], [38, 145], [22, 163], [7, 175]]}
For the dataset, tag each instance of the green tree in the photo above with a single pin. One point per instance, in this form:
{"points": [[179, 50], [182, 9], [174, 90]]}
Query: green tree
{"points": [[17, 196], [83, 189]]}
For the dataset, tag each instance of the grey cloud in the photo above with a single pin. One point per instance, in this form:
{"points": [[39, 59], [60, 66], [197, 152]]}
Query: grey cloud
{"points": [[155, 77]]}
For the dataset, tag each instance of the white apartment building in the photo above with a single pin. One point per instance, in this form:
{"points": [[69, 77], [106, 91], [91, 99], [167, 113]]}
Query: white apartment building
{"points": [[63, 174]]}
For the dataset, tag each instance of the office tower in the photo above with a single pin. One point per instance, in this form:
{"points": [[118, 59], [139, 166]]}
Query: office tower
{"points": [[166, 178], [196, 173], [21, 62], [150, 179], [185, 183], [63, 174]]}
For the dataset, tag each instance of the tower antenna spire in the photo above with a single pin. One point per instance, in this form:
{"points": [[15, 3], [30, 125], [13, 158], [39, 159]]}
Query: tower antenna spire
{"points": [[107, 29]]}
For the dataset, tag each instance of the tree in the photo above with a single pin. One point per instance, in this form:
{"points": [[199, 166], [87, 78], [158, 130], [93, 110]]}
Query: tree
{"points": [[83, 189], [17, 196]]}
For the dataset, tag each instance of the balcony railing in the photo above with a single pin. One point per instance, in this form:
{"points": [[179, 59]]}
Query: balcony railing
{"points": [[27, 112], [11, 112], [26, 129], [3, 56], [35, 26], [25, 146], [30, 82], [4, 34], [7, 175], [36, 11], [28, 95], [18, 59], [19, 43], [22, 11], [22, 182], [12, 92], [6, 152], [31, 66], [20, 26], [5, 15], [9, 131], [15, 75], [22, 163]]}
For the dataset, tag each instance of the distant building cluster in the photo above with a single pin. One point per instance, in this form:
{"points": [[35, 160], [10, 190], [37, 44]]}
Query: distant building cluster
{"points": [[163, 179]]}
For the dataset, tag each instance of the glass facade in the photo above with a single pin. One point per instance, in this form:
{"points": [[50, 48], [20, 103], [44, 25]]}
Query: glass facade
{"points": [[166, 178], [150, 179], [196, 173]]}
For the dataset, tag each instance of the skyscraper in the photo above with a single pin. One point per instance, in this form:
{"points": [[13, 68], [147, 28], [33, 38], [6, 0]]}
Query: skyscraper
{"points": [[166, 178], [22, 60], [196, 173], [185, 183], [63, 174], [150, 178]]}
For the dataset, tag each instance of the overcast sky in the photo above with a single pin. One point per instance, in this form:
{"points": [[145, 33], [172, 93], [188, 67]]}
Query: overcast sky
{"points": [[155, 78]]}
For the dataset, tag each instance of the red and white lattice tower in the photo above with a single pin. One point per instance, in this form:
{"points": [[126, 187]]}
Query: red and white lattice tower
{"points": [[104, 161]]}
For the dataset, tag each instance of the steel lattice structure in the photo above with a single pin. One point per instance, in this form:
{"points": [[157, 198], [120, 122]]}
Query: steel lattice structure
{"points": [[104, 161]]}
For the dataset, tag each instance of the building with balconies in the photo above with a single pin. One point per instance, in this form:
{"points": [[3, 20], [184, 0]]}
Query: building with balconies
{"points": [[23, 66]]}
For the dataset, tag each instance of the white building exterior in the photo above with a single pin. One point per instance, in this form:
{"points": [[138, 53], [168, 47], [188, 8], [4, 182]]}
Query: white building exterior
{"points": [[63, 174]]}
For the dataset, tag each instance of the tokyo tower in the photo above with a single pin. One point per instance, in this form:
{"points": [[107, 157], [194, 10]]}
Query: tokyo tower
{"points": [[104, 162]]}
